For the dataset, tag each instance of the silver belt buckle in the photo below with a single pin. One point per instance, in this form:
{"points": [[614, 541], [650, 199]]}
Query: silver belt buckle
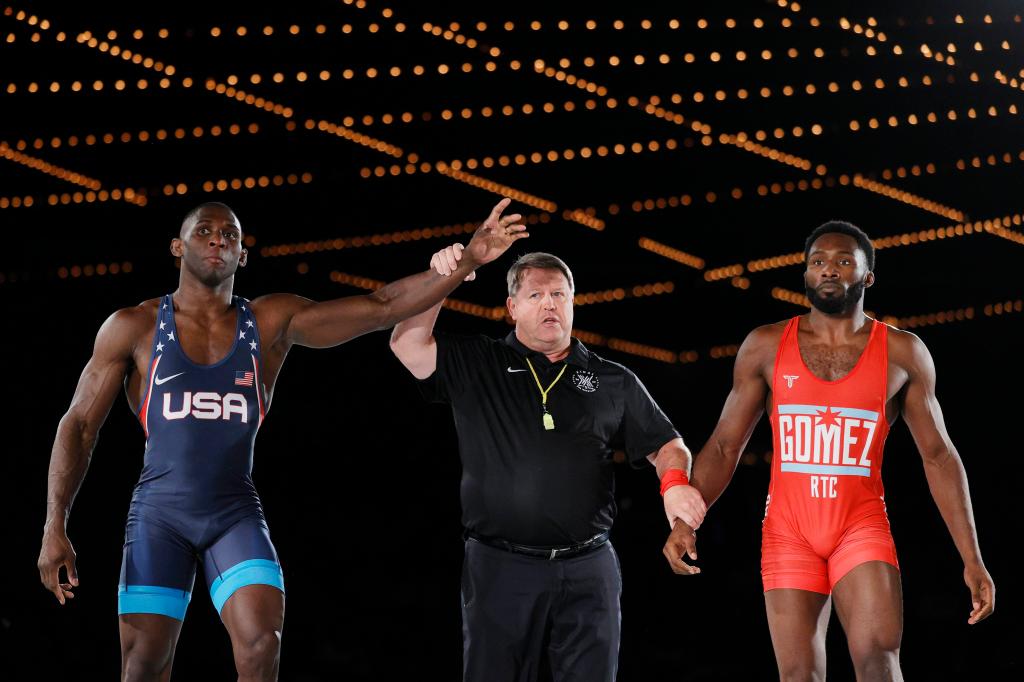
{"points": [[554, 551]]}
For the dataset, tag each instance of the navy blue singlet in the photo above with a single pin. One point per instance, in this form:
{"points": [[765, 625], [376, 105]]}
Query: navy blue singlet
{"points": [[195, 499]]}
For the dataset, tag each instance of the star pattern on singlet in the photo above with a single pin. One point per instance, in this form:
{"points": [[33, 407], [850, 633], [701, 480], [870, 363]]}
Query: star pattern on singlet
{"points": [[828, 416]]}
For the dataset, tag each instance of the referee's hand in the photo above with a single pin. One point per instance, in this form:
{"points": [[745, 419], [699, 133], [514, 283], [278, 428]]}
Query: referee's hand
{"points": [[681, 541], [684, 502], [446, 261]]}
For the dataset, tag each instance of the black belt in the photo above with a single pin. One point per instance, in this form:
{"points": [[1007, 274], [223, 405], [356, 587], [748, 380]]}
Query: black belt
{"points": [[549, 553]]}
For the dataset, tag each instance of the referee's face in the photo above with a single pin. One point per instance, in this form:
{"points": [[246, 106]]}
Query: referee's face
{"points": [[542, 310]]}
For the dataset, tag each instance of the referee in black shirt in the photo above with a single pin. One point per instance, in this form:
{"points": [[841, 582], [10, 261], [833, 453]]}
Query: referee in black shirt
{"points": [[536, 413]]}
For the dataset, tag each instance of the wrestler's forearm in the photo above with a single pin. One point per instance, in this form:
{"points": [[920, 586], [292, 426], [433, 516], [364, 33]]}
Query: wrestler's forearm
{"points": [[69, 460], [713, 469], [420, 293], [947, 482], [326, 324]]}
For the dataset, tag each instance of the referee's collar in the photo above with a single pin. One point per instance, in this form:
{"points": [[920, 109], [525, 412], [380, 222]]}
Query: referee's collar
{"points": [[578, 353]]}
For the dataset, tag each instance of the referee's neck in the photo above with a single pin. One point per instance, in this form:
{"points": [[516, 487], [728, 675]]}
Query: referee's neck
{"points": [[558, 355], [551, 354]]}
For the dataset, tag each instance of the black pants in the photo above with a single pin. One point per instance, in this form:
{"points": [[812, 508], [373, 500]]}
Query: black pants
{"points": [[516, 609]]}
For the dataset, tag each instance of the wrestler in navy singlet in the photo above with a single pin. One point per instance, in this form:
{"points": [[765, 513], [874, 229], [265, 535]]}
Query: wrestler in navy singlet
{"points": [[195, 499]]}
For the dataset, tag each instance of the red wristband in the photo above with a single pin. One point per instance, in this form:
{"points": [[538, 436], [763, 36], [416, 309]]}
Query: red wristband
{"points": [[673, 477]]}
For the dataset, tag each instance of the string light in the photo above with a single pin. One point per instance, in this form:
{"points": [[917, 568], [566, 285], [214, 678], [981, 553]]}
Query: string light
{"points": [[537, 157], [808, 89], [304, 76], [48, 168], [746, 144], [269, 106], [725, 272], [126, 137], [93, 185], [323, 125], [384, 239], [128, 194], [57, 87], [499, 312], [26, 201], [1002, 232], [1004, 308], [589, 25], [927, 320], [740, 140], [927, 53], [828, 182], [672, 253], [719, 352], [620, 294], [713, 56], [584, 217], [644, 351], [996, 226], [907, 198], [458, 115], [736, 194], [496, 187], [991, 111], [788, 296], [98, 269], [240, 95], [351, 135], [251, 182], [264, 31]]}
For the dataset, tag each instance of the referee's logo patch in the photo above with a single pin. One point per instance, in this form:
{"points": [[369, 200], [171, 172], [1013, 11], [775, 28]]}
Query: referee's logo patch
{"points": [[585, 381]]}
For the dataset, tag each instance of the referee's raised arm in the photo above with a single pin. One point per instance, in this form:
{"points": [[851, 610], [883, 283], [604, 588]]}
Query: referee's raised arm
{"points": [[412, 340]]}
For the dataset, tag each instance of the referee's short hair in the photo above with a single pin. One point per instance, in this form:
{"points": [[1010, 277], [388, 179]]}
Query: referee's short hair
{"points": [[539, 261]]}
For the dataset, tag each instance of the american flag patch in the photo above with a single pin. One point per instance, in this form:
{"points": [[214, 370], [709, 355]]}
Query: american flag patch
{"points": [[243, 378]]}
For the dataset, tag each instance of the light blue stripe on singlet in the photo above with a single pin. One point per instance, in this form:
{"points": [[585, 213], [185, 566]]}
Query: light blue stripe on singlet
{"points": [[801, 409], [813, 411], [251, 572], [165, 601], [857, 414], [826, 469]]}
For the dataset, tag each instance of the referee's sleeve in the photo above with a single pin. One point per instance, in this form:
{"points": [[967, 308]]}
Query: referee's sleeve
{"points": [[458, 360], [645, 426]]}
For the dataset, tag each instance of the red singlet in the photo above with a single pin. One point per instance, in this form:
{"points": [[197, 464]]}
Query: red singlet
{"points": [[826, 507]]}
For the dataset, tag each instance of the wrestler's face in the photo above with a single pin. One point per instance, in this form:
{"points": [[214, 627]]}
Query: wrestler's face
{"points": [[837, 273], [542, 310], [210, 246]]}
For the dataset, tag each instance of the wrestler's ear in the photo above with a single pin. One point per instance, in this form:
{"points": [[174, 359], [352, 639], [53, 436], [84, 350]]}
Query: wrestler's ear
{"points": [[243, 258], [869, 279], [177, 247]]}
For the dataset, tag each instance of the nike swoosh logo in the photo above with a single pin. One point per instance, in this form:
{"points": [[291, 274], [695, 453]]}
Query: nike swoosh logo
{"points": [[510, 370], [158, 381]]}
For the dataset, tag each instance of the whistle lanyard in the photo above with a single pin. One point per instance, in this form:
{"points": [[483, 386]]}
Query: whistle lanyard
{"points": [[547, 419]]}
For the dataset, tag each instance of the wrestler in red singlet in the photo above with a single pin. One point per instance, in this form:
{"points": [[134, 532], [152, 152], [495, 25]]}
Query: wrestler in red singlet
{"points": [[832, 381], [826, 506]]}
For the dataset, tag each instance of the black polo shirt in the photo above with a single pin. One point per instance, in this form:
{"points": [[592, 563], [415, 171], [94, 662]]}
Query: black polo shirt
{"points": [[521, 482]]}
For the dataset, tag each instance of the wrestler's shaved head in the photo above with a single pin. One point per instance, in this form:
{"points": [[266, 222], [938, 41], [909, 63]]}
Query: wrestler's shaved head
{"points": [[193, 215]]}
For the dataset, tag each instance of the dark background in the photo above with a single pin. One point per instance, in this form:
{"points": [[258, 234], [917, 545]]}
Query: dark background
{"points": [[359, 477]]}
